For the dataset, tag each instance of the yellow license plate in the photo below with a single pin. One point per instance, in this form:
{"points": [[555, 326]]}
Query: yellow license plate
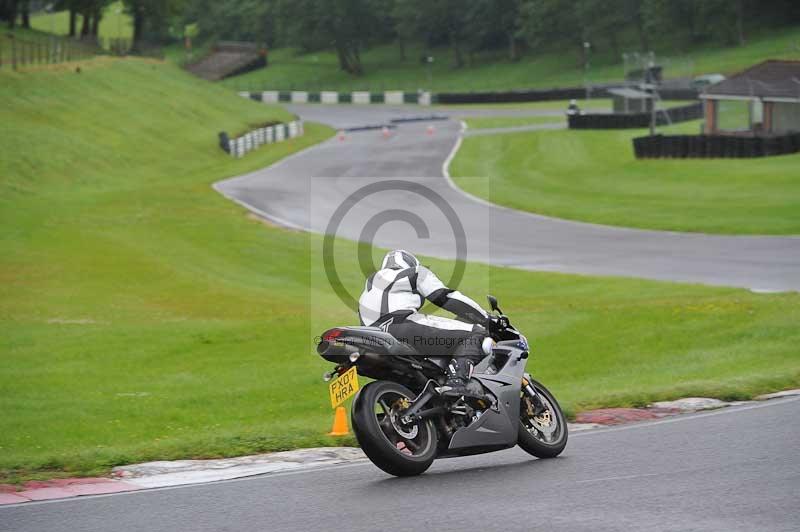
{"points": [[343, 387]]}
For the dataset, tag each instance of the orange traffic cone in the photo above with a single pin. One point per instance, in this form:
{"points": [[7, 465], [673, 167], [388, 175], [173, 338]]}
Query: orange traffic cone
{"points": [[430, 130], [339, 423], [341, 134], [385, 132]]}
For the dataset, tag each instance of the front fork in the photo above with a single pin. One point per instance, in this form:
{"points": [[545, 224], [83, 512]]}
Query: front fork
{"points": [[527, 387]]}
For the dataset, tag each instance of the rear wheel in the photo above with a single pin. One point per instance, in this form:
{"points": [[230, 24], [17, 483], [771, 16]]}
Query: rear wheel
{"points": [[397, 448], [542, 426]]}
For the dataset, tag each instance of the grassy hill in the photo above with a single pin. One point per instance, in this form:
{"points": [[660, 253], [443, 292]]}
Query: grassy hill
{"points": [[143, 316], [384, 69]]}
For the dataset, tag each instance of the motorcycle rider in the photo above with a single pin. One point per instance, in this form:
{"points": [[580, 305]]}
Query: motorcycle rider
{"points": [[391, 300]]}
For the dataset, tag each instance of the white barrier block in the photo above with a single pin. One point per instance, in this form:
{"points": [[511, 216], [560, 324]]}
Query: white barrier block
{"points": [[232, 147], [393, 97], [245, 94], [299, 97], [424, 98], [300, 130], [270, 135], [292, 129], [329, 97], [360, 97], [240, 147], [269, 96], [280, 133]]}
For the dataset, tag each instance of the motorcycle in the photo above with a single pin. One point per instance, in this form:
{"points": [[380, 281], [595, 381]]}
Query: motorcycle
{"points": [[403, 423]]}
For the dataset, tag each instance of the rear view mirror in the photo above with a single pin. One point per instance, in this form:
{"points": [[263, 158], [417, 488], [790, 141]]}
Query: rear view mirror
{"points": [[493, 303]]}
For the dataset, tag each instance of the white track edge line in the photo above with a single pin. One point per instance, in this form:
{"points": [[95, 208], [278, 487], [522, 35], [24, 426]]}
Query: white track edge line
{"points": [[362, 462]]}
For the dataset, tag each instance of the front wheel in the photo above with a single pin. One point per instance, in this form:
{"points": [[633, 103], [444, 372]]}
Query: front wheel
{"points": [[399, 449], [542, 426]]}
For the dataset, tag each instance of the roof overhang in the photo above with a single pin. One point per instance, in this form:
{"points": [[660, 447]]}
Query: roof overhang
{"points": [[782, 100], [728, 97], [749, 98]]}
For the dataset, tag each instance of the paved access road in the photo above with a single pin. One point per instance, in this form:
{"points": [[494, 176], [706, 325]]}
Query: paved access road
{"points": [[305, 190], [729, 470]]}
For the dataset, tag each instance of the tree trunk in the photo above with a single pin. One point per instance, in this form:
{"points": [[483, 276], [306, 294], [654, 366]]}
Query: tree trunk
{"points": [[138, 26], [73, 21], [26, 14], [740, 21], [86, 26], [341, 54], [644, 43], [97, 15], [612, 40], [512, 47], [12, 14], [458, 55]]}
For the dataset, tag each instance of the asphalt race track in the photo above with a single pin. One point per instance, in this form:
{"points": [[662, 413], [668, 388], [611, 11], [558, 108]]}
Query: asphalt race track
{"points": [[728, 470], [304, 191], [735, 469]]}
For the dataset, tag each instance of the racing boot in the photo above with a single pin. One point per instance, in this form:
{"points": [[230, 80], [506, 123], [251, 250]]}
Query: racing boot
{"points": [[459, 371]]}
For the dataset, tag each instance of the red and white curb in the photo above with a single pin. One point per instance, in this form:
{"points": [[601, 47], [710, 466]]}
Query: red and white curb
{"points": [[184, 472]]}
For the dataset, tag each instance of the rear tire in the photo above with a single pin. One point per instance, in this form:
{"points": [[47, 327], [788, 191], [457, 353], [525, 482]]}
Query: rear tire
{"points": [[379, 438], [533, 440]]}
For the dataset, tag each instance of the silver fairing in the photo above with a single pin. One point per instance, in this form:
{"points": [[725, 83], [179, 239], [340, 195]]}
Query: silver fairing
{"points": [[497, 427]]}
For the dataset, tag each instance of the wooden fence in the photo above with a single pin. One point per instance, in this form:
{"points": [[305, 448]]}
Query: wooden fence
{"points": [[17, 52]]}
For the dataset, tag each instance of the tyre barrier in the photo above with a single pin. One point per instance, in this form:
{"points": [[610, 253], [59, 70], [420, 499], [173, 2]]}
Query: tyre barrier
{"points": [[714, 146], [333, 97], [664, 117], [430, 118], [368, 127], [530, 95], [239, 147]]}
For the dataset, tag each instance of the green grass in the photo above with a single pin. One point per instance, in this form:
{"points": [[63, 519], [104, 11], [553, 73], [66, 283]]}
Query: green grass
{"points": [[113, 25], [384, 69], [512, 121], [143, 316], [593, 176]]}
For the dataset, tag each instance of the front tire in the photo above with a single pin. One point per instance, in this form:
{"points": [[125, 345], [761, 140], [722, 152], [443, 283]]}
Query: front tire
{"points": [[544, 435], [400, 450]]}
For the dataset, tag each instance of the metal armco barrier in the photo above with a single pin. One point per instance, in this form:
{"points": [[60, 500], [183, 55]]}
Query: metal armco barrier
{"points": [[714, 146], [240, 146], [635, 120]]}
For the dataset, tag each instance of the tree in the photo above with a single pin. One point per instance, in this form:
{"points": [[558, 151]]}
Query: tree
{"points": [[493, 22], [553, 21], [406, 19], [11, 9], [150, 17], [25, 6]]}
